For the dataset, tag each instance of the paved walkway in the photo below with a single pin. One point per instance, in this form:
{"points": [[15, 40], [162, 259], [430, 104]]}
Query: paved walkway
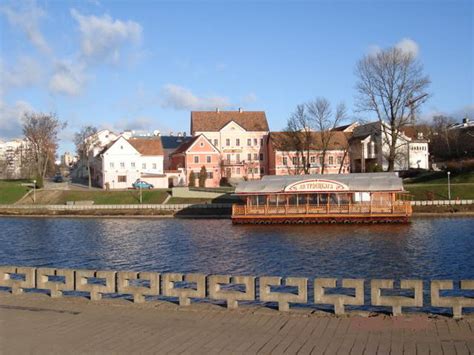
{"points": [[35, 323]]}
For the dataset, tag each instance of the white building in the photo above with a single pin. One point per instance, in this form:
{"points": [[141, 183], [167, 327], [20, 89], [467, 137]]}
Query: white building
{"points": [[124, 161], [13, 155], [370, 147]]}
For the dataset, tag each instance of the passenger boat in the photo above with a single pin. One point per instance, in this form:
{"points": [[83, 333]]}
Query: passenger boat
{"points": [[331, 198]]}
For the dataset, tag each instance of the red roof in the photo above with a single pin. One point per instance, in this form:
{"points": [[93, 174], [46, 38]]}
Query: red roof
{"points": [[214, 121], [147, 146]]}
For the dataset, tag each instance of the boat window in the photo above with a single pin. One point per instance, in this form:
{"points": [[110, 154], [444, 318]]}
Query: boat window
{"points": [[272, 200]]}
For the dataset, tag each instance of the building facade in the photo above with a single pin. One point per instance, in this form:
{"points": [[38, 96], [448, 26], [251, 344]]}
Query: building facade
{"points": [[14, 156], [194, 154], [284, 160], [240, 137]]}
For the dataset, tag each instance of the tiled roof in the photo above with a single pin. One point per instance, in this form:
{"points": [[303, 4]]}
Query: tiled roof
{"points": [[184, 146], [282, 140], [173, 142], [147, 146], [213, 121]]}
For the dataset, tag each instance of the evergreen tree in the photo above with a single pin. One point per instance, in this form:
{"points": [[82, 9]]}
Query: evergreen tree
{"points": [[202, 177], [192, 179]]}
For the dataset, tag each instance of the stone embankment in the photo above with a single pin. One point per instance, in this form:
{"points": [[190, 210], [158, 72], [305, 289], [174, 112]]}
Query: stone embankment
{"points": [[233, 290]]}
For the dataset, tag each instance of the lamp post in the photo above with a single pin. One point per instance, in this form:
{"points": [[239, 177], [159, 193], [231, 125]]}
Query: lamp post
{"points": [[34, 191], [449, 186], [141, 198]]}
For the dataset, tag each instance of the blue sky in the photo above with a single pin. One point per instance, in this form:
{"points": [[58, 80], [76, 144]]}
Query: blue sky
{"points": [[147, 64]]}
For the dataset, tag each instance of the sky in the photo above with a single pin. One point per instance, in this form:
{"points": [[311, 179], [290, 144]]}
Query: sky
{"points": [[144, 65]]}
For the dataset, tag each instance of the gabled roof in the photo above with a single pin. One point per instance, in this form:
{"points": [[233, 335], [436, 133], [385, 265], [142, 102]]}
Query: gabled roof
{"points": [[186, 145], [282, 140], [147, 146], [214, 121], [173, 142]]}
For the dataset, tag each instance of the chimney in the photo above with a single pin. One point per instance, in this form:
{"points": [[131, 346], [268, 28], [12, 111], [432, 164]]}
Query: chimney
{"points": [[184, 133], [240, 110], [217, 109]]}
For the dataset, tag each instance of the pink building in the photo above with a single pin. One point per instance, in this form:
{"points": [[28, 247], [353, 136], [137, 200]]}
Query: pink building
{"points": [[240, 137], [283, 160], [193, 155]]}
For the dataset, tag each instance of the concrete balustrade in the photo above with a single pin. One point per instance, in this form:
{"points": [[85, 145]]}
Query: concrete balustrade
{"points": [[95, 290], [283, 298], [55, 288], [16, 285], [455, 303], [184, 294], [223, 288], [138, 292], [339, 301], [231, 297], [396, 302]]}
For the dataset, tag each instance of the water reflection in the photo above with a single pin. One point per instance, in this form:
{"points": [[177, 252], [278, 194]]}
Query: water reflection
{"points": [[426, 248]]}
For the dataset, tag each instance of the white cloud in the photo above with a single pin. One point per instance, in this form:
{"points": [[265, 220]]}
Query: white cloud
{"points": [[179, 98], [68, 78], [103, 37], [26, 15], [11, 118], [25, 72], [408, 46]]}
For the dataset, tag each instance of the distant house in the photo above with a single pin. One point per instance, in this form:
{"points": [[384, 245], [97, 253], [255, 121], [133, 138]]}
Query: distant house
{"points": [[240, 137], [124, 161], [170, 143], [283, 160], [14, 159], [418, 147], [195, 153], [369, 148]]}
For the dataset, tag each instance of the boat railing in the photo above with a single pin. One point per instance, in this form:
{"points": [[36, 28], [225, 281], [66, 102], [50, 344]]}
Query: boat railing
{"points": [[397, 207]]}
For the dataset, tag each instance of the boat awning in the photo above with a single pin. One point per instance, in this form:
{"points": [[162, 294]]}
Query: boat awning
{"points": [[361, 182]]}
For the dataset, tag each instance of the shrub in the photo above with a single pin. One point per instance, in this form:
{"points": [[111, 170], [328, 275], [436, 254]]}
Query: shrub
{"points": [[202, 177], [192, 179]]}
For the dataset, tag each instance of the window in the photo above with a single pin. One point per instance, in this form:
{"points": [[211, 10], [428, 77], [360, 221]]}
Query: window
{"points": [[249, 156], [262, 170], [249, 142], [215, 142], [285, 161], [228, 158], [196, 159], [295, 160], [237, 157], [202, 144], [255, 156], [122, 165], [132, 164], [237, 171], [321, 160], [111, 165], [154, 165], [143, 165], [261, 141], [210, 175], [122, 178], [208, 159], [255, 141], [312, 159], [227, 142], [331, 160], [339, 160], [261, 156], [237, 142]]}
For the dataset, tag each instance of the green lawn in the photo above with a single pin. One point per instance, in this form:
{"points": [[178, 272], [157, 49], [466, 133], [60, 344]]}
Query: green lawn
{"points": [[11, 190], [103, 197], [440, 191], [441, 177]]}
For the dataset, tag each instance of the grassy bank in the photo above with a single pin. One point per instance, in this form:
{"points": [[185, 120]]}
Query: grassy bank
{"points": [[434, 186], [129, 197], [11, 190]]}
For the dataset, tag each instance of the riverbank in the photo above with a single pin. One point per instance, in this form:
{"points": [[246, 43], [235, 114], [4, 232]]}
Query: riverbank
{"points": [[78, 325]]}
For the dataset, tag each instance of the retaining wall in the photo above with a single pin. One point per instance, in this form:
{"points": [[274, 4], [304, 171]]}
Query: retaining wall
{"points": [[235, 289], [164, 207]]}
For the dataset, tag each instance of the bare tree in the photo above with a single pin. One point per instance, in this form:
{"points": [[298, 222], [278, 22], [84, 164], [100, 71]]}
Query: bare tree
{"points": [[324, 120], [41, 130], [390, 84], [86, 140]]}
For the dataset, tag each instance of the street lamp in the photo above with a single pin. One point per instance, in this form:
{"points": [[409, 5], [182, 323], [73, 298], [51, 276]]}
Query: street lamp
{"points": [[34, 191], [449, 186]]}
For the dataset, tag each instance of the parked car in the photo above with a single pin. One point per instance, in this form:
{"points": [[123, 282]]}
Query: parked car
{"points": [[58, 178], [140, 184]]}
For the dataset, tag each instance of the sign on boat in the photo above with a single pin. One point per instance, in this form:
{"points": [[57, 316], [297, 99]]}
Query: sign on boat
{"points": [[331, 198]]}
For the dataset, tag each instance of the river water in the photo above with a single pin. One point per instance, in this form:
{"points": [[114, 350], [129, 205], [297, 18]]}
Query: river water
{"points": [[431, 248]]}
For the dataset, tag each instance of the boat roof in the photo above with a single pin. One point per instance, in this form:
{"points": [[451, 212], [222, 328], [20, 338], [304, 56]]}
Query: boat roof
{"points": [[364, 182]]}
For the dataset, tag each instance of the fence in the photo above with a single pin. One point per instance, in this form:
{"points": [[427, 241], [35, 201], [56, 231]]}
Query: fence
{"points": [[235, 289], [164, 207], [442, 202]]}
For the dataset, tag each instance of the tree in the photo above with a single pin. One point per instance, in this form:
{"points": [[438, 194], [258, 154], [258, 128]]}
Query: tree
{"points": [[41, 130], [202, 177], [300, 134], [192, 179], [391, 84], [86, 140], [325, 121]]}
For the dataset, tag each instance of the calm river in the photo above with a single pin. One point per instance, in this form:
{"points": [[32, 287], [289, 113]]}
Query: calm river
{"points": [[431, 248]]}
